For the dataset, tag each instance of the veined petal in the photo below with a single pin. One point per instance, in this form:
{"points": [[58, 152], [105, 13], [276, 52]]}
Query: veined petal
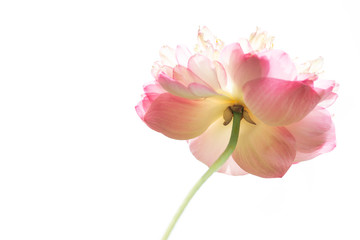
{"points": [[328, 100], [314, 134], [186, 76], [221, 74], [142, 107], [279, 102], [280, 65], [325, 90], [153, 87], [328, 146], [264, 151], [192, 91], [211, 144], [175, 87], [204, 69], [242, 68], [231, 51], [181, 118], [247, 68], [186, 83], [151, 92], [310, 132], [201, 90]]}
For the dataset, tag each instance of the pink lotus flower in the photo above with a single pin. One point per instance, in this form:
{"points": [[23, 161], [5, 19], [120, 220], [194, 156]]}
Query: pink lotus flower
{"points": [[285, 120]]}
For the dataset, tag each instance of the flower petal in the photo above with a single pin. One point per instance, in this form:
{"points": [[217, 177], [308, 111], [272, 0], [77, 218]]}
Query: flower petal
{"points": [[153, 88], [261, 40], [328, 146], [278, 102], [242, 68], [310, 67], [201, 90], [280, 65], [151, 92], [186, 76], [328, 100], [247, 68], [182, 54], [231, 51], [211, 144], [175, 87], [181, 118], [142, 107], [245, 45], [314, 134], [158, 68], [192, 91], [325, 90], [204, 69], [264, 151], [221, 74], [208, 44]]}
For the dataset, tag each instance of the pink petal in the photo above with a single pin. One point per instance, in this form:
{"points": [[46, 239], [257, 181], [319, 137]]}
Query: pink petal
{"points": [[278, 102], [242, 68], [158, 68], [264, 151], [328, 146], [221, 74], [328, 100], [211, 144], [186, 76], [181, 118], [314, 134], [152, 91], [280, 65], [192, 91], [325, 90], [185, 84], [204, 69], [201, 90], [153, 87], [182, 54], [142, 107], [175, 87], [229, 52], [247, 68]]}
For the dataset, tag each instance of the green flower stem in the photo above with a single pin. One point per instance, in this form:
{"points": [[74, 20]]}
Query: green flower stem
{"points": [[217, 164]]}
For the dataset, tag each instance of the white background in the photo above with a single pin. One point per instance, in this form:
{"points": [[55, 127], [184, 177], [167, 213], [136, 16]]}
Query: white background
{"points": [[76, 162]]}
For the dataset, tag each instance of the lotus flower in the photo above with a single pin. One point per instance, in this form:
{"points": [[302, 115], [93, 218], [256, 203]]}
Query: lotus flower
{"points": [[285, 120]]}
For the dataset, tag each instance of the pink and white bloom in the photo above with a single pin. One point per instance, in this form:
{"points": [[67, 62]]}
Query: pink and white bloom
{"points": [[285, 117]]}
